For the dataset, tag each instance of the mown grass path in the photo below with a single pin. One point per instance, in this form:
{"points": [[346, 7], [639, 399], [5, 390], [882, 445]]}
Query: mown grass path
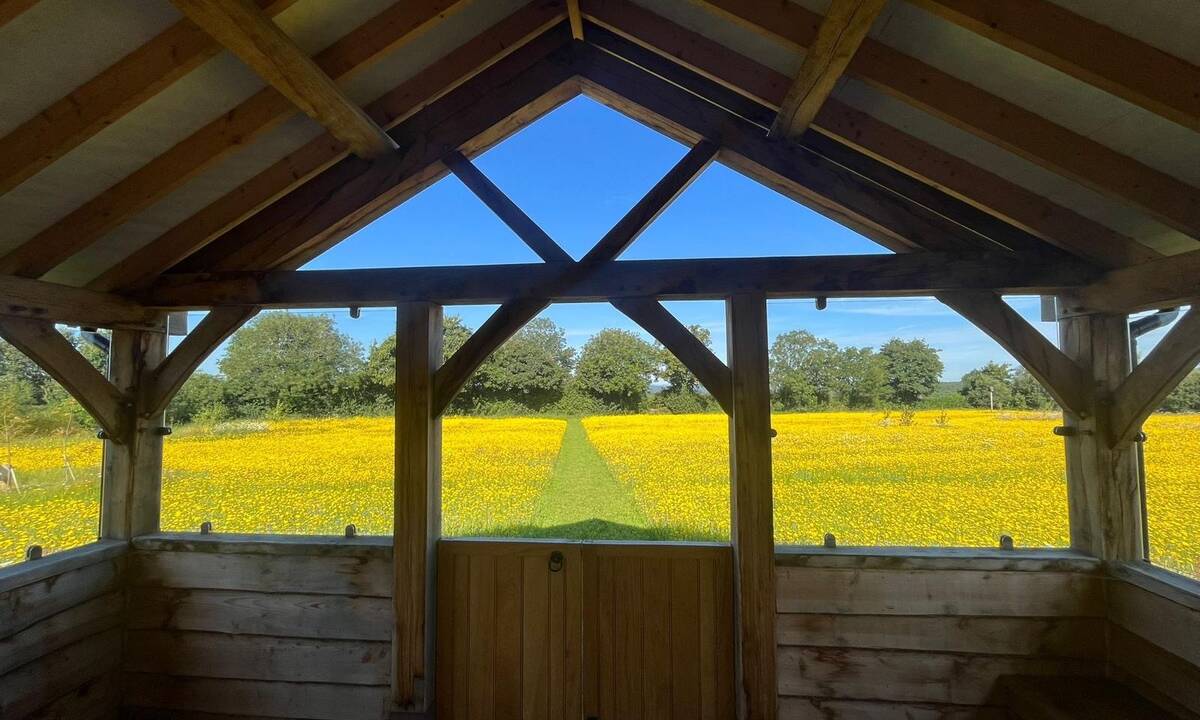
{"points": [[582, 491]]}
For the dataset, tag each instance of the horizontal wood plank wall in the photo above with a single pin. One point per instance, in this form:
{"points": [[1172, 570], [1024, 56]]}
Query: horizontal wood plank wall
{"points": [[60, 635], [245, 626], [1154, 636], [892, 636], [658, 632]]}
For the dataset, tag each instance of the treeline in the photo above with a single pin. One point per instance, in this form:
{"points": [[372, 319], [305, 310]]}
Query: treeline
{"points": [[290, 364]]}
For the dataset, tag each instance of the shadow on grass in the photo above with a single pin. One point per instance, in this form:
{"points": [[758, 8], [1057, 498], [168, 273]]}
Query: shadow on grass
{"points": [[596, 529]]}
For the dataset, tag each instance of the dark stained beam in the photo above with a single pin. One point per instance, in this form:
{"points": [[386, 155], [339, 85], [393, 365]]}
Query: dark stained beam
{"points": [[352, 192], [257, 41], [1086, 50], [909, 274], [843, 29], [1016, 129], [990, 193]]}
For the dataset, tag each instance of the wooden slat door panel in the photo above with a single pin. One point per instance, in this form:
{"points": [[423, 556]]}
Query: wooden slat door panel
{"points": [[623, 630], [658, 632], [508, 631]]}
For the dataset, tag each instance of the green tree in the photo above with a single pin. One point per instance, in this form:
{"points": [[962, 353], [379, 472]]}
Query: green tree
{"points": [[1186, 397], [913, 370], [803, 370], [989, 386], [861, 380], [290, 363], [202, 393], [615, 368], [1028, 393]]}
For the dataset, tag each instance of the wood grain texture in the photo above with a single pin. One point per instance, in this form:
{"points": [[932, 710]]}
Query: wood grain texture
{"points": [[242, 698], [1062, 378], [35, 685], [160, 386], [418, 499], [1051, 222], [842, 30], [105, 98], [987, 116], [509, 630], [249, 33], [389, 110], [1162, 675], [1085, 50], [46, 346], [335, 575], [752, 508], [90, 617], [1161, 283], [37, 300], [212, 143]]}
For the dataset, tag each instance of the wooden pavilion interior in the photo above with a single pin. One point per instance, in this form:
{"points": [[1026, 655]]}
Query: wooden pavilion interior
{"points": [[167, 155]]}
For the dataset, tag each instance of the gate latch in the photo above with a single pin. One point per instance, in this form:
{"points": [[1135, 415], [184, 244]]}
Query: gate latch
{"points": [[556, 561]]}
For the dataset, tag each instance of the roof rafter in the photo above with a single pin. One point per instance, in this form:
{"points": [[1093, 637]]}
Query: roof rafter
{"points": [[396, 106], [352, 192], [251, 35], [1053, 223], [844, 28], [107, 97], [1168, 282], [266, 109], [1016, 129], [1086, 50]]}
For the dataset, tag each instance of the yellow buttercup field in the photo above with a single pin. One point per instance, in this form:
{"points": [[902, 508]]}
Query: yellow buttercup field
{"points": [[960, 478]]}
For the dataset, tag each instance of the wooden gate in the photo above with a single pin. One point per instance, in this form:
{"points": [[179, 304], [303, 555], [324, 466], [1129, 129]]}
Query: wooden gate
{"points": [[584, 630]]}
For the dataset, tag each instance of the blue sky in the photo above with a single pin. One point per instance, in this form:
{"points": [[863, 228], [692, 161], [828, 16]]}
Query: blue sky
{"points": [[576, 172]]}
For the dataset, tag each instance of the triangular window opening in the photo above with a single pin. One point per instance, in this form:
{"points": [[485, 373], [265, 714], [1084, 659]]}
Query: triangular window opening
{"points": [[575, 172]]}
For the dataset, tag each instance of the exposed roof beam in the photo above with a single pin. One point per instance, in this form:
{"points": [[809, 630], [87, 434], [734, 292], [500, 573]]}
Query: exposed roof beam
{"points": [[38, 300], [908, 274], [107, 97], [1086, 50], [1052, 223], [576, 19], [10, 9], [251, 35], [1018, 130], [844, 28], [811, 178], [1168, 282], [396, 106], [266, 109], [352, 192]]}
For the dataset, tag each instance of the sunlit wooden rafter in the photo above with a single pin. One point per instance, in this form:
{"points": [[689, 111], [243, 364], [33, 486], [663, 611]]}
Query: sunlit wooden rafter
{"points": [[844, 28], [513, 315], [900, 275], [1052, 223], [576, 19], [107, 97], [1086, 50], [251, 35], [1018, 130], [646, 312], [394, 107], [266, 109]]}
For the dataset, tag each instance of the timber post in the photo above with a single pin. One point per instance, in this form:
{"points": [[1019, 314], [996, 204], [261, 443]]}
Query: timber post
{"points": [[131, 492], [751, 503], [417, 500], [1103, 478]]}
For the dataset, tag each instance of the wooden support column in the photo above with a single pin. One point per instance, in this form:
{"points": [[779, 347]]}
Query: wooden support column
{"points": [[753, 522], [1103, 483], [417, 502], [131, 493]]}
